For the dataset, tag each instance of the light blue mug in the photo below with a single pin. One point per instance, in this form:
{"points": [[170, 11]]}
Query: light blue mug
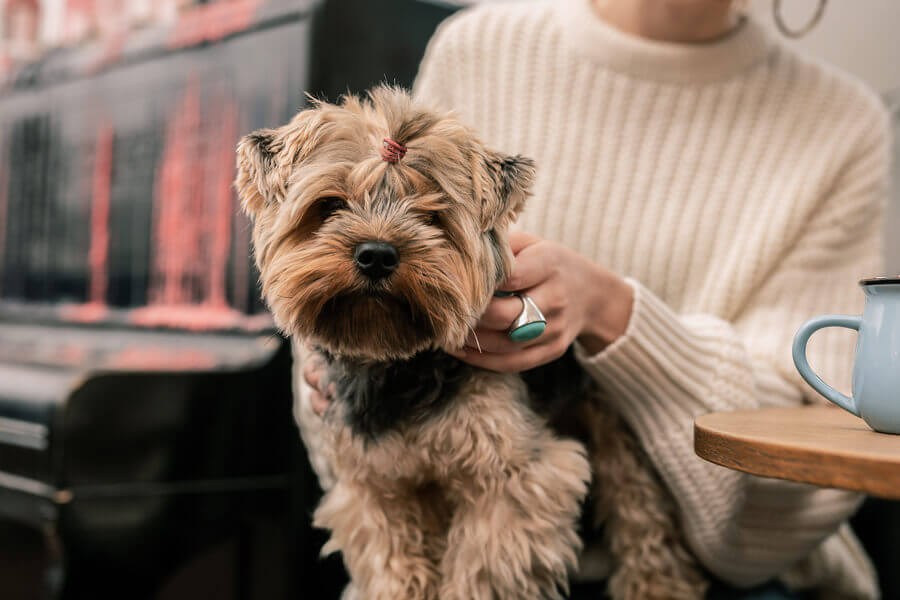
{"points": [[876, 370]]}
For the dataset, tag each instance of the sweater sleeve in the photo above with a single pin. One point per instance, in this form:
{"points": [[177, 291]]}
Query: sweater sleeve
{"points": [[669, 368]]}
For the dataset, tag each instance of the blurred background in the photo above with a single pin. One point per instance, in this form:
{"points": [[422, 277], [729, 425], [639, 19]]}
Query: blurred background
{"points": [[147, 447]]}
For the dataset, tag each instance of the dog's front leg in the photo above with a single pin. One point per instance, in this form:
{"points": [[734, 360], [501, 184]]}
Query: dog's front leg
{"points": [[514, 535], [384, 542]]}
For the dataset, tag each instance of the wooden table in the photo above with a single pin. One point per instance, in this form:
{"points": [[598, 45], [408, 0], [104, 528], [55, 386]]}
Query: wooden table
{"points": [[813, 444]]}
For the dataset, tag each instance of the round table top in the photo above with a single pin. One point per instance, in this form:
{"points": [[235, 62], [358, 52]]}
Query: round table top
{"points": [[823, 445]]}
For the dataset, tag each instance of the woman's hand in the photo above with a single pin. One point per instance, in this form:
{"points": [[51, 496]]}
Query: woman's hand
{"points": [[314, 373], [579, 299]]}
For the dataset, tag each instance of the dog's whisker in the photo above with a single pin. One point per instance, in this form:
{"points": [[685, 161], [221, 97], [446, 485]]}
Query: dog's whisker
{"points": [[477, 343]]}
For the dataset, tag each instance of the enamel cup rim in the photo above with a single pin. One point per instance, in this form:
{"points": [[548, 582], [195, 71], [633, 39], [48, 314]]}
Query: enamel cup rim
{"points": [[879, 280]]}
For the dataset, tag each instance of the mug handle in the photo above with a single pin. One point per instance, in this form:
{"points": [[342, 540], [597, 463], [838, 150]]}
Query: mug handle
{"points": [[799, 352]]}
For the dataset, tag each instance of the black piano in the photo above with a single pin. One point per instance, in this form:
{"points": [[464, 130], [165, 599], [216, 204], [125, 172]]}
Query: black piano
{"points": [[136, 454]]}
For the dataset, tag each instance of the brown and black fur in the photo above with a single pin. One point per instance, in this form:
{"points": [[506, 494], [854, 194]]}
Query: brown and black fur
{"points": [[451, 481]]}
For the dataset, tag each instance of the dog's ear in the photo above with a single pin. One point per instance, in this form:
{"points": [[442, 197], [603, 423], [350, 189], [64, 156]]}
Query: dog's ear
{"points": [[509, 184], [265, 158], [256, 160]]}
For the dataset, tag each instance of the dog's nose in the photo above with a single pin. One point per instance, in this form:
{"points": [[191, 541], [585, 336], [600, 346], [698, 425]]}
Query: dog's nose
{"points": [[376, 260]]}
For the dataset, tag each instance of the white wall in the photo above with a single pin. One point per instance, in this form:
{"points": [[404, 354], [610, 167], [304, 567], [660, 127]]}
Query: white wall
{"points": [[862, 36]]}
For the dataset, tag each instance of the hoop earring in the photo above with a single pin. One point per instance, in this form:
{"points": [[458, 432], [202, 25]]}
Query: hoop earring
{"points": [[797, 33]]}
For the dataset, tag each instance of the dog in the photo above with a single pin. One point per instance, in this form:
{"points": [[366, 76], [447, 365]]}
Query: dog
{"points": [[380, 232]]}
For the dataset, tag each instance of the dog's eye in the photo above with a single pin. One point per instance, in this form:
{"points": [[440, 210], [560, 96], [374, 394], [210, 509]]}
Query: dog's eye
{"points": [[330, 205]]}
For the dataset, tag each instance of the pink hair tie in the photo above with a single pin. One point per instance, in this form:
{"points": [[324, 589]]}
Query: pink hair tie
{"points": [[392, 151]]}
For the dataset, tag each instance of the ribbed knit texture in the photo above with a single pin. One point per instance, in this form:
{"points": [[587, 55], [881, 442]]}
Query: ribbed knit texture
{"points": [[739, 188]]}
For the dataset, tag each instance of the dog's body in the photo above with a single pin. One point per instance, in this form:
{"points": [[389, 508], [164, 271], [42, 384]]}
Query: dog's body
{"points": [[469, 494], [451, 482]]}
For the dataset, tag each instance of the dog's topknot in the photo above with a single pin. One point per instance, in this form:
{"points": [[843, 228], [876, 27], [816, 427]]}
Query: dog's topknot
{"points": [[404, 120]]}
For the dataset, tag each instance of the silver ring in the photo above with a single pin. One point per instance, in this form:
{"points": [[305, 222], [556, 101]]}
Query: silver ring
{"points": [[530, 324]]}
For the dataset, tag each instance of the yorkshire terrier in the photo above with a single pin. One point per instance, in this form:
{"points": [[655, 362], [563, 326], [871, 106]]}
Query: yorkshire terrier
{"points": [[380, 231]]}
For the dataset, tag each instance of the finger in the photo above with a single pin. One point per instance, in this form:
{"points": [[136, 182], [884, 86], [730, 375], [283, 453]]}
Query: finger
{"points": [[519, 240], [312, 373], [498, 342], [490, 341], [321, 400], [318, 402], [534, 265], [515, 362], [500, 313]]}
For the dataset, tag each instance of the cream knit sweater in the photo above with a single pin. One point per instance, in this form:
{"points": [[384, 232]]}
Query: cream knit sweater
{"points": [[739, 188]]}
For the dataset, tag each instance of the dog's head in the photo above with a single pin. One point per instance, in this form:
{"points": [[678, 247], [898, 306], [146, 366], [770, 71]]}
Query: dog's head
{"points": [[370, 256]]}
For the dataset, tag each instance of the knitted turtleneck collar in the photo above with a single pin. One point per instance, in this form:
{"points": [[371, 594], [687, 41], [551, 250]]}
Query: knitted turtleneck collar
{"points": [[669, 62]]}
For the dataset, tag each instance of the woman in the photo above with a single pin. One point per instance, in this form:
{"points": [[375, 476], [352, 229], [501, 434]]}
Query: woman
{"points": [[702, 190]]}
